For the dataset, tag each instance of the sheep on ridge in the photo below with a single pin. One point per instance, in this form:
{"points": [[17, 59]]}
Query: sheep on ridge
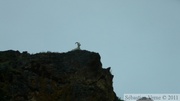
{"points": [[78, 46]]}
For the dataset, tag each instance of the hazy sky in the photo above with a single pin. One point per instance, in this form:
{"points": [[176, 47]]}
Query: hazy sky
{"points": [[138, 39]]}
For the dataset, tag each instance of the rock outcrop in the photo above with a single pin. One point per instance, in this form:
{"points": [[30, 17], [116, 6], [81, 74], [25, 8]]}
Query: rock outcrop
{"points": [[145, 99], [72, 76]]}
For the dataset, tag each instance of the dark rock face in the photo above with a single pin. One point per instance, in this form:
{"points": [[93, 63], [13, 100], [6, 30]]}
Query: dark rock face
{"points": [[72, 76], [145, 99]]}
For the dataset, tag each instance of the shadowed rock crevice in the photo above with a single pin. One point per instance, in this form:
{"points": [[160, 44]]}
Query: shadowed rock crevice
{"points": [[71, 76]]}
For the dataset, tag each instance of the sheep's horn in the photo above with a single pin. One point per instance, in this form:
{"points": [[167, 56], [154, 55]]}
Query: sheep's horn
{"points": [[78, 43]]}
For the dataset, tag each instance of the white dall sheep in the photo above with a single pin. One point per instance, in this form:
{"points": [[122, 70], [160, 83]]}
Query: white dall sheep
{"points": [[78, 46]]}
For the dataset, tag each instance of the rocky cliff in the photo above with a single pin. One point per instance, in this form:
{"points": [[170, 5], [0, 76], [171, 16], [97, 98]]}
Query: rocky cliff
{"points": [[71, 76]]}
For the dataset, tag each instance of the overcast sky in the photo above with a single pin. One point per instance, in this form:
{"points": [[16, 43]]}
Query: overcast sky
{"points": [[138, 39]]}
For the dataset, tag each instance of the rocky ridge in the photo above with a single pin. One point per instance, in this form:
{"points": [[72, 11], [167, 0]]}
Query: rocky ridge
{"points": [[49, 76]]}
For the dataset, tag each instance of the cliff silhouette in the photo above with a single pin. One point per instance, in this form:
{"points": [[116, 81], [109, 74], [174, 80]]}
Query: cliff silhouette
{"points": [[49, 76]]}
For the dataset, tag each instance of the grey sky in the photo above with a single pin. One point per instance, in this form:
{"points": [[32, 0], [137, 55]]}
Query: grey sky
{"points": [[138, 39]]}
